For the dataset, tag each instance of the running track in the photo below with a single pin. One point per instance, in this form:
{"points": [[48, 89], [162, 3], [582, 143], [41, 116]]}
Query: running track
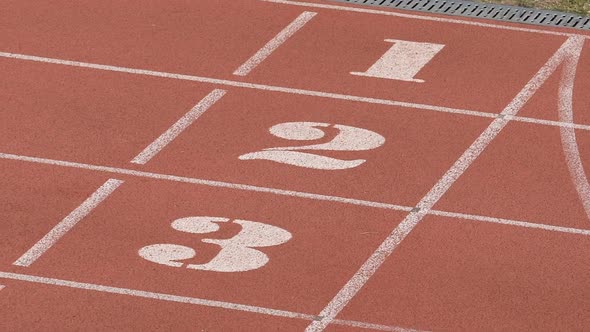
{"points": [[280, 165]]}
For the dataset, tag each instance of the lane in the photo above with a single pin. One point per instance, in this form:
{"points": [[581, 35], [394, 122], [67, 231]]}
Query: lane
{"points": [[149, 236], [264, 87], [523, 174], [38, 306], [321, 56], [466, 67], [453, 275], [282, 192], [382, 154], [209, 38]]}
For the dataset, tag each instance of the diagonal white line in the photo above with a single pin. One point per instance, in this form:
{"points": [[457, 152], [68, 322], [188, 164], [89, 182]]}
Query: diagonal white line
{"points": [[177, 128], [68, 223], [274, 43], [185, 300], [423, 17], [360, 278], [263, 87]]}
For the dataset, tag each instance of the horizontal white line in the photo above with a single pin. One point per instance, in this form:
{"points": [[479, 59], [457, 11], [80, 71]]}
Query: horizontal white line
{"points": [[68, 223], [273, 88], [283, 192], [210, 183], [423, 17], [510, 222], [184, 299], [274, 43]]}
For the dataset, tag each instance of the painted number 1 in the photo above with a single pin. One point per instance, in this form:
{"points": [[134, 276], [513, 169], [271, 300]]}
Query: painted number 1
{"points": [[402, 61]]}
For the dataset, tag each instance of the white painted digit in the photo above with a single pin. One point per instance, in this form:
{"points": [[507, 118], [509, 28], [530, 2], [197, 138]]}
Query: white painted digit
{"points": [[347, 139], [402, 61], [236, 254]]}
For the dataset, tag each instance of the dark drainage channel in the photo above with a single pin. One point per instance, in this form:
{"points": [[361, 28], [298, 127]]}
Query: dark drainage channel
{"points": [[489, 11]]}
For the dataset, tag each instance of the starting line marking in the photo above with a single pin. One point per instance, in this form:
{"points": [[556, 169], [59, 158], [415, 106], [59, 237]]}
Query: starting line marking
{"points": [[273, 88], [424, 17], [274, 43], [283, 192], [188, 300], [176, 129], [360, 278], [68, 223]]}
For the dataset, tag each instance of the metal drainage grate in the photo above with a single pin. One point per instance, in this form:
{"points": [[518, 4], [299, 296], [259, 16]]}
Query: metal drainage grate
{"points": [[489, 11]]}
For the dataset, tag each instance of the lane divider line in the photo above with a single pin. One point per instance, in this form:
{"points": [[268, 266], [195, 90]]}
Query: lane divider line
{"points": [[186, 300], [66, 224], [177, 128], [274, 43], [291, 193], [372, 264], [423, 17], [272, 88]]}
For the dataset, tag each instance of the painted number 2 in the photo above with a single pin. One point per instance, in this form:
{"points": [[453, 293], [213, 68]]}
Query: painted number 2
{"points": [[236, 254], [346, 139], [402, 61]]}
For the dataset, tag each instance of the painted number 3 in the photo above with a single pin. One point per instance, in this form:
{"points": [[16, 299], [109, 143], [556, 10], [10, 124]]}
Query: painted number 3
{"points": [[236, 254], [346, 139]]}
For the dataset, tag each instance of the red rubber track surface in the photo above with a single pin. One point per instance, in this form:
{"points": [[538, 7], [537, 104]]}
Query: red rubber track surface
{"points": [[431, 231]]}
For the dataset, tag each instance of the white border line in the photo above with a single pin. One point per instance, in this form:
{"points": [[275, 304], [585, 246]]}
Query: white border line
{"points": [[360, 278], [423, 17], [291, 193], [263, 87], [185, 300], [274, 43], [176, 129], [68, 223]]}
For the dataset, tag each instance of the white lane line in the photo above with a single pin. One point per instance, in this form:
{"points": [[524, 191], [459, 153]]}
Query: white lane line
{"points": [[185, 300], [360, 278], [274, 43], [368, 100], [210, 183], [371, 326], [2, 287], [283, 192], [169, 135], [509, 222], [568, 135], [68, 223], [422, 17]]}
